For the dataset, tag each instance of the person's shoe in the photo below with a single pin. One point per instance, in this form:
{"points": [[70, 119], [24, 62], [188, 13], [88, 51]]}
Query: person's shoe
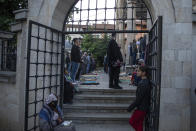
{"points": [[117, 87], [111, 86]]}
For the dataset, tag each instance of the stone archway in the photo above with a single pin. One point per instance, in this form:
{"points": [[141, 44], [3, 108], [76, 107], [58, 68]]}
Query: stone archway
{"points": [[53, 13], [177, 43]]}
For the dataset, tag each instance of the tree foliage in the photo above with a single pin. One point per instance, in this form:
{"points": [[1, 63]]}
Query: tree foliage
{"points": [[95, 45], [6, 11]]}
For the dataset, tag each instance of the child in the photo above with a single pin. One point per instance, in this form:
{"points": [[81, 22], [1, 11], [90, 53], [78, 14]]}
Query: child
{"points": [[142, 101], [135, 79]]}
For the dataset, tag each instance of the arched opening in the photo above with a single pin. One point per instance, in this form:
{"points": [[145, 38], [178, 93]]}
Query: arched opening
{"points": [[129, 19]]}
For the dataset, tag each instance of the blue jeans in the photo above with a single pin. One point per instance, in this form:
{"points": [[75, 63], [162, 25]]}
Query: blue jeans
{"points": [[142, 55], [69, 68], [74, 70], [88, 68], [134, 58]]}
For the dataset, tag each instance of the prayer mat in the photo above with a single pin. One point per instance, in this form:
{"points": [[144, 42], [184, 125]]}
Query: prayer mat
{"points": [[89, 83]]}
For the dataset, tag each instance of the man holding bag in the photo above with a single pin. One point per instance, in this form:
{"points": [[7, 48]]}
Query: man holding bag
{"points": [[115, 60]]}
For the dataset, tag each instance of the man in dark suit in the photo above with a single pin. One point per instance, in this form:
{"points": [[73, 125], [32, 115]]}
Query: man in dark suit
{"points": [[114, 58]]}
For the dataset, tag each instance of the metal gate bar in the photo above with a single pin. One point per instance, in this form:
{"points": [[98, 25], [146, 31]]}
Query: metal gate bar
{"points": [[8, 54], [107, 31], [45, 63], [93, 8], [154, 55]]}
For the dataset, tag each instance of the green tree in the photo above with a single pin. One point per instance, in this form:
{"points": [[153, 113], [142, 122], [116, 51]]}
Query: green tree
{"points": [[95, 45], [6, 13]]}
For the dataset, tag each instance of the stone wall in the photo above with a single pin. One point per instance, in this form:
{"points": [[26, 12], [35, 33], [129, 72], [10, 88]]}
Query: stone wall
{"points": [[130, 36], [21, 71], [9, 101], [121, 36], [176, 63], [50, 12]]}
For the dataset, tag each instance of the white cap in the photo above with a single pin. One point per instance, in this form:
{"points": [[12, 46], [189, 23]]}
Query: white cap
{"points": [[141, 61], [50, 99]]}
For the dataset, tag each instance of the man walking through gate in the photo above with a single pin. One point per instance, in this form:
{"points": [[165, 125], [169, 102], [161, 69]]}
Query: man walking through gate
{"points": [[114, 58], [75, 58]]}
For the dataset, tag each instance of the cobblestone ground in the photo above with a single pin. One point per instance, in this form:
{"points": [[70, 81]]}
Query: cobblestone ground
{"points": [[104, 83]]}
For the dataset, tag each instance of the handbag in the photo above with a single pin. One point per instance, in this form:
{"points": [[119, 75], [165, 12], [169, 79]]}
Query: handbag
{"points": [[117, 64]]}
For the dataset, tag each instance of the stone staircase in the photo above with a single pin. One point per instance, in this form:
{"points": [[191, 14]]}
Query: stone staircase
{"points": [[100, 106]]}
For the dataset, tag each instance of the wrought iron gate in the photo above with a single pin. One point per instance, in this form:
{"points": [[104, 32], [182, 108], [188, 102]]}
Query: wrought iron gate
{"points": [[44, 75], [154, 55]]}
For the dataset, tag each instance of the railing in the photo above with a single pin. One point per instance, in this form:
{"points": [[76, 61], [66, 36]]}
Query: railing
{"points": [[8, 55]]}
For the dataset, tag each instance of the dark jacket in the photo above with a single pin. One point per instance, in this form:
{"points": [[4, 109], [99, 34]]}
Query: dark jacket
{"points": [[134, 48], [142, 46], [75, 54], [130, 51], [142, 101], [113, 53]]}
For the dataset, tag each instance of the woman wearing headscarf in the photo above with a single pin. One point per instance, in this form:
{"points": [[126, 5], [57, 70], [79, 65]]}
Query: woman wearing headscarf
{"points": [[51, 114]]}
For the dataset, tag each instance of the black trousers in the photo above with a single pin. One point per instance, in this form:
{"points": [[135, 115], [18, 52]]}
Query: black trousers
{"points": [[68, 92], [114, 75]]}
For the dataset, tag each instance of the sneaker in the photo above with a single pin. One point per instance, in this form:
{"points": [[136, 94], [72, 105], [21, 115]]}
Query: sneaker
{"points": [[77, 82]]}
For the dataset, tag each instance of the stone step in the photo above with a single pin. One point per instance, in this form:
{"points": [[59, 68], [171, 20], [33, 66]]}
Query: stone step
{"points": [[95, 108], [98, 118], [104, 127], [108, 91], [123, 99]]}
